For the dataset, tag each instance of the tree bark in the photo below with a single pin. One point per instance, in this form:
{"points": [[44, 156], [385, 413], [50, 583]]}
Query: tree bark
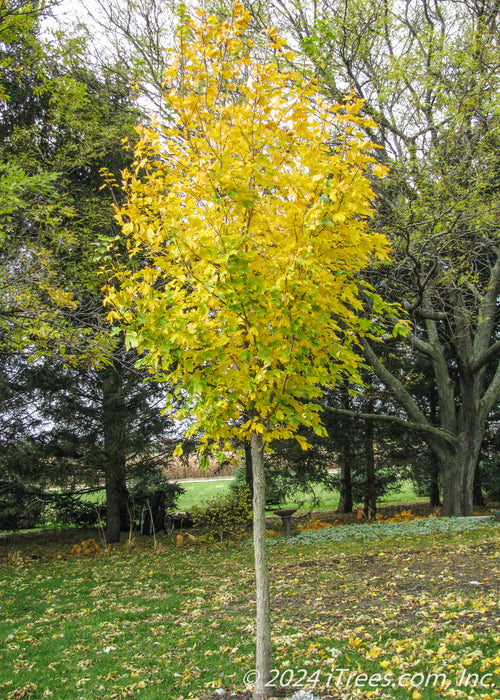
{"points": [[248, 469], [434, 498], [263, 631], [114, 423], [458, 479], [370, 500], [345, 500]]}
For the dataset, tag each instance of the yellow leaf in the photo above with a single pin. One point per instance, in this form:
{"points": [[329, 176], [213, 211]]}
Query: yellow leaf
{"points": [[178, 451]]}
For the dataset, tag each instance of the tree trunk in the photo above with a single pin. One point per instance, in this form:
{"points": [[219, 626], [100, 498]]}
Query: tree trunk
{"points": [[456, 501], [458, 479], [477, 495], [248, 469], [115, 497], [345, 439], [114, 423], [434, 498], [458, 469], [370, 501], [263, 650], [345, 500]]}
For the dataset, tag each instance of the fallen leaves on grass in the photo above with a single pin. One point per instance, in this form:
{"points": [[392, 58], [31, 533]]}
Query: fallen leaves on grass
{"points": [[178, 623], [86, 547]]}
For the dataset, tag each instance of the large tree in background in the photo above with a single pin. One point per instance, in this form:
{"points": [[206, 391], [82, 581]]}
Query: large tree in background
{"points": [[30, 297], [137, 35], [61, 121], [72, 427], [429, 73], [249, 209]]}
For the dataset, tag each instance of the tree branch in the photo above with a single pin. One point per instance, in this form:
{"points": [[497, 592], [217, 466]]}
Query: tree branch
{"points": [[428, 314], [408, 425], [416, 416], [485, 357], [486, 318], [422, 346]]}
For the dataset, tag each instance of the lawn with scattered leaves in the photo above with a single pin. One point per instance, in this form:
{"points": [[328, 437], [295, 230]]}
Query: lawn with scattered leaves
{"points": [[410, 607]]}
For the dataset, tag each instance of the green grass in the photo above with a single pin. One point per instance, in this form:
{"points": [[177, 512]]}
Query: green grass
{"points": [[200, 492], [166, 623]]}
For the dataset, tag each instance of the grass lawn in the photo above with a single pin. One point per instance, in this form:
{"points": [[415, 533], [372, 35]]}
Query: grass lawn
{"points": [[165, 623], [199, 492]]}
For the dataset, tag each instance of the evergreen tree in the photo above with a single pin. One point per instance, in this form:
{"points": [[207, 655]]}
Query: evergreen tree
{"points": [[61, 122]]}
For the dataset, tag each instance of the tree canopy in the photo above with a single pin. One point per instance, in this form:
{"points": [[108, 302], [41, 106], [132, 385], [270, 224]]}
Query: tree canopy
{"points": [[248, 210]]}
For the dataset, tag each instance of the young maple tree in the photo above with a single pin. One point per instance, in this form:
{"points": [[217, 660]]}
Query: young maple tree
{"points": [[248, 212]]}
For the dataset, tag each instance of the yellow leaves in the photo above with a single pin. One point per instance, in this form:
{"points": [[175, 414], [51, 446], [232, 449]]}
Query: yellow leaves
{"points": [[302, 442], [380, 170], [178, 451], [442, 652], [339, 217], [86, 547], [61, 298], [251, 233], [374, 653], [355, 642], [404, 515]]}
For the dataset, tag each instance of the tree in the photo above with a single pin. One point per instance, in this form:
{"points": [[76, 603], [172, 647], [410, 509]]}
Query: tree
{"points": [[138, 32], [30, 299], [429, 74], [249, 212], [63, 119], [85, 425], [58, 118]]}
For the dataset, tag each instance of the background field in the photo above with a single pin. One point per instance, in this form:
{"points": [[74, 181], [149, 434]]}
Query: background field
{"points": [[200, 491]]}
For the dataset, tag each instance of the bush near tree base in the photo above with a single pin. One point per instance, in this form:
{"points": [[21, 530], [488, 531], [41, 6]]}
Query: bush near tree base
{"points": [[223, 515]]}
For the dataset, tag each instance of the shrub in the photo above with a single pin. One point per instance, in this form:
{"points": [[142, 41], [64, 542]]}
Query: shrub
{"points": [[224, 515], [20, 507], [151, 497], [71, 509]]}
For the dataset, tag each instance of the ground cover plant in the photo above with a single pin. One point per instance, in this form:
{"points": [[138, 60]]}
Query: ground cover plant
{"points": [[135, 620]]}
